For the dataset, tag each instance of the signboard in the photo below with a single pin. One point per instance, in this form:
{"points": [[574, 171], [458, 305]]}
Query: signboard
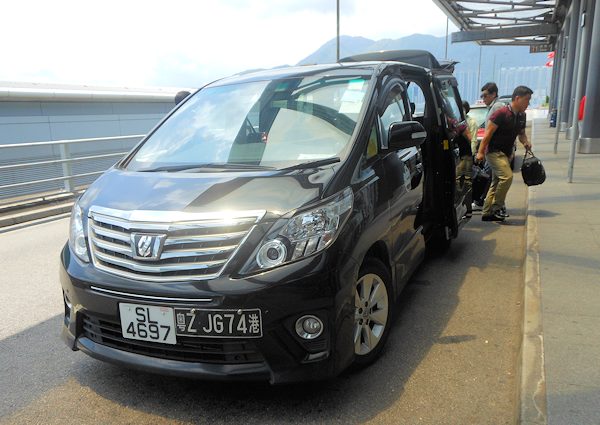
{"points": [[541, 48]]}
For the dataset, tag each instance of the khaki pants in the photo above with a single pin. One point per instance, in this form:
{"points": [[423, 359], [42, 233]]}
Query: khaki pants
{"points": [[501, 181]]}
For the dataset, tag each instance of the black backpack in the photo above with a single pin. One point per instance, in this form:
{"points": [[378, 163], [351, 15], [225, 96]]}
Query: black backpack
{"points": [[532, 170]]}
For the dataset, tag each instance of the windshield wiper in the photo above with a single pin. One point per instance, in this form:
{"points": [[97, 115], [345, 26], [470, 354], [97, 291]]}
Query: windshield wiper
{"points": [[221, 165], [316, 163]]}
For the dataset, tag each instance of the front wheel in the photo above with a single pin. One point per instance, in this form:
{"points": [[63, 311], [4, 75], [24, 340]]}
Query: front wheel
{"points": [[373, 305]]}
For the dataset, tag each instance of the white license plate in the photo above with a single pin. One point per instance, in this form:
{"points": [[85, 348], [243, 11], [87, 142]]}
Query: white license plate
{"points": [[148, 323]]}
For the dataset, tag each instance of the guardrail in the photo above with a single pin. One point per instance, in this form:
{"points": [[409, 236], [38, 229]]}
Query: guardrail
{"points": [[19, 179]]}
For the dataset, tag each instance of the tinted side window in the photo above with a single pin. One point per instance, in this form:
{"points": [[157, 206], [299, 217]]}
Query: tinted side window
{"points": [[449, 100], [416, 97], [394, 110]]}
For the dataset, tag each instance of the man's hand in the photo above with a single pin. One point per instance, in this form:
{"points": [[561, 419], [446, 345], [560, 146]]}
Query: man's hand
{"points": [[479, 157], [527, 145]]}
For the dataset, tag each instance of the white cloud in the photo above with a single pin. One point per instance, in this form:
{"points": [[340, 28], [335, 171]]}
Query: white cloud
{"points": [[182, 43]]}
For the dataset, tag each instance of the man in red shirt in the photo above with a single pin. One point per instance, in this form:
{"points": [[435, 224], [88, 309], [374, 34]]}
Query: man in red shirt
{"points": [[503, 126]]}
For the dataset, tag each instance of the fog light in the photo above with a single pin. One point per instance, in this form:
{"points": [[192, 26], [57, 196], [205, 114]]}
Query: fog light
{"points": [[68, 309], [309, 327]]}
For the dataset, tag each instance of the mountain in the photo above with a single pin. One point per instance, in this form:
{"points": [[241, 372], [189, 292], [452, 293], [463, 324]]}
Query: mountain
{"points": [[493, 58], [527, 69]]}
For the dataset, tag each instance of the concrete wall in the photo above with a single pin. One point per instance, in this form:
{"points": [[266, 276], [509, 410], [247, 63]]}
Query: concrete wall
{"points": [[35, 121], [50, 114]]}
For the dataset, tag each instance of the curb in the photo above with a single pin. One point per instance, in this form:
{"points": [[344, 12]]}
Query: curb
{"points": [[35, 214], [532, 390], [26, 224]]}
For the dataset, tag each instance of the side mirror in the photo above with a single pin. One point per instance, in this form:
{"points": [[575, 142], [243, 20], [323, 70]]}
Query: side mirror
{"points": [[406, 134], [413, 107]]}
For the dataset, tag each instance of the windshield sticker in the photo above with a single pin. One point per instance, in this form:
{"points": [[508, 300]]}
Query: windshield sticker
{"points": [[351, 102], [356, 84]]}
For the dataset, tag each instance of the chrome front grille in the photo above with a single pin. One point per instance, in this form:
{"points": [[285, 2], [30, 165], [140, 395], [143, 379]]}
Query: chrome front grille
{"points": [[195, 246]]}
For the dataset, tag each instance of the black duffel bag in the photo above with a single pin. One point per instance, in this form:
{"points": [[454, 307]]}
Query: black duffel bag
{"points": [[532, 170]]}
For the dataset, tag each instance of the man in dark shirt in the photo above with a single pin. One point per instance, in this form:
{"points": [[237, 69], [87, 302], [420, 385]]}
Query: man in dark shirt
{"points": [[504, 125]]}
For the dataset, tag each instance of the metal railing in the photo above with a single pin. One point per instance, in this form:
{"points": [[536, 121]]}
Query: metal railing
{"points": [[19, 179]]}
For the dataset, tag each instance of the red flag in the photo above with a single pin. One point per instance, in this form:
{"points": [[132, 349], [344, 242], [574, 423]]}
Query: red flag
{"points": [[551, 55], [550, 64]]}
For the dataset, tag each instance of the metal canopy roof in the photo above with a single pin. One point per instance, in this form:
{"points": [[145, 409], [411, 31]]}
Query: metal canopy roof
{"points": [[505, 22]]}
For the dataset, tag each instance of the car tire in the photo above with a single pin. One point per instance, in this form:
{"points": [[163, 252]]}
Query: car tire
{"points": [[373, 311]]}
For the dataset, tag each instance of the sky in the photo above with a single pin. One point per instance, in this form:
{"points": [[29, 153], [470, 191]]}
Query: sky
{"points": [[177, 43]]}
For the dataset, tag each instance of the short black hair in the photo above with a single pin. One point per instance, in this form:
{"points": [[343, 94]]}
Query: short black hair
{"points": [[466, 107], [490, 87], [521, 91], [181, 95]]}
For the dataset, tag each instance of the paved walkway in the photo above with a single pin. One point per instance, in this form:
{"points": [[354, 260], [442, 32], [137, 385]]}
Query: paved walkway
{"points": [[562, 297]]}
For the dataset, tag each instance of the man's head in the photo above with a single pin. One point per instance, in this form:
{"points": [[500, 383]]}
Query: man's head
{"points": [[466, 107], [181, 95], [520, 98], [489, 92]]}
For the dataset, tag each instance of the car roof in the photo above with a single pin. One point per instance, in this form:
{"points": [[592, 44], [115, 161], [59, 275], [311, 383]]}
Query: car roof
{"points": [[298, 71], [371, 64], [421, 58]]}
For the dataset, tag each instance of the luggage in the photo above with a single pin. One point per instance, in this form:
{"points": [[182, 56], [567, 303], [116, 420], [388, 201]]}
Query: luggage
{"points": [[481, 182], [532, 170]]}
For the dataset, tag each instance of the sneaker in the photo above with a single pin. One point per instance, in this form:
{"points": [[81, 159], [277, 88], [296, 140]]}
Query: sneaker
{"points": [[503, 213], [476, 207], [492, 217]]}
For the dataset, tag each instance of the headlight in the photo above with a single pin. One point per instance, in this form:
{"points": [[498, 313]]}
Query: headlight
{"points": [[76, 236], [303, 235]]}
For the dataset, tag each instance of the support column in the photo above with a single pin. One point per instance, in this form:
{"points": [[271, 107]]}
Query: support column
{"points": [[590, 8], [579, 86], [555, 73], [578, 6], [590, 131], [561, 85], [569, 62]]}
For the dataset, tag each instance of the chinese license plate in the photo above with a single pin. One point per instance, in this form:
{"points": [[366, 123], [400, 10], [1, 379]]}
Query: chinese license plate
{"points": [[219, 323], [148, 323], [163, 324]]}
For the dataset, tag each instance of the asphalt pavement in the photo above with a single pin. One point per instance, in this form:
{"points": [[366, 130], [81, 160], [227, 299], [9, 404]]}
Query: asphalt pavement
{"points": [[452, 356]]}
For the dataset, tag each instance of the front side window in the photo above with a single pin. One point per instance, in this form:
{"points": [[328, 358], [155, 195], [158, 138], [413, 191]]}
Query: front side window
{"points": [[450, 105], [394, 110], [275, 123]]}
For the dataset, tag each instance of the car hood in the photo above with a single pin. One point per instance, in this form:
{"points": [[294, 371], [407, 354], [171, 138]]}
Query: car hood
{"points": [[276, 192]]}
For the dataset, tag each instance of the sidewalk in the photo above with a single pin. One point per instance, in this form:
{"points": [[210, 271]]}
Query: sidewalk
{"points": [[561, 349]]}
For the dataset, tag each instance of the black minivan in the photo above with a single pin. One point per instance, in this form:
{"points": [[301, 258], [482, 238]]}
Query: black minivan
{"points": [[265, 228]]}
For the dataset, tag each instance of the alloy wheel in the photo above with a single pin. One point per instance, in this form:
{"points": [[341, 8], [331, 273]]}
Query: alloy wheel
{"points": [[371, 312]]}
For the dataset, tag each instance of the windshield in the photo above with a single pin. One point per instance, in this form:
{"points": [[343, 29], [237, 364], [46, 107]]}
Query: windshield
{"points": [[270, 124]]}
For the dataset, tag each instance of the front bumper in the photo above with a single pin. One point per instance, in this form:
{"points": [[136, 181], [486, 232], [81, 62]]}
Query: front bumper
{"points": [[310, 286]]}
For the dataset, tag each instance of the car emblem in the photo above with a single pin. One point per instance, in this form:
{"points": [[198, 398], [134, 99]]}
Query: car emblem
{"points": [[147, 246]]}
